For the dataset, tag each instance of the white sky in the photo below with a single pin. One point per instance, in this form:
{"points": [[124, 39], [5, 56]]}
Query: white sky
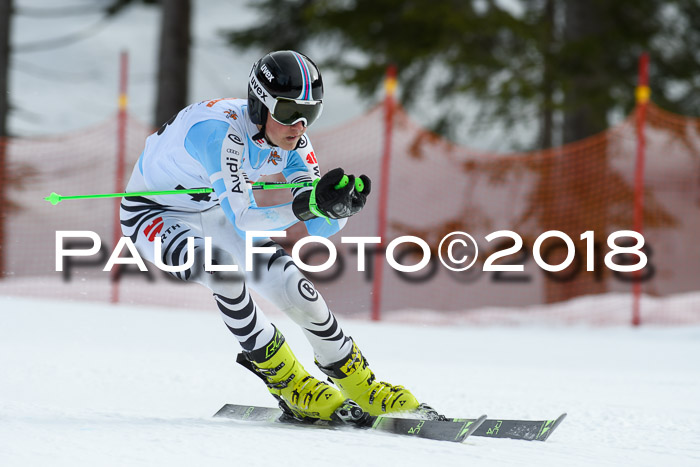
{"points": [[76, 86]]}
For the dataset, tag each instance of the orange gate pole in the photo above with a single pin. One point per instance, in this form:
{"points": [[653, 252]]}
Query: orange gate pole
{"points": [[119, 171], [642, 96], [389, 104]]}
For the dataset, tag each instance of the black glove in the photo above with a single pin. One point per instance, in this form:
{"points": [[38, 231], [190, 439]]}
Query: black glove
{"points": [[335, 196], [363, 185]]}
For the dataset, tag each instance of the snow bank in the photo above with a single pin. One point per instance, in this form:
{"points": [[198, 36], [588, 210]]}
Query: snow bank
{"points": [[93, 384]]}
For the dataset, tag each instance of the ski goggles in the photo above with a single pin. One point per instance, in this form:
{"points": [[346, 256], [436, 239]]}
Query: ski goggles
{"points": [[285, 110], [290, 111]]}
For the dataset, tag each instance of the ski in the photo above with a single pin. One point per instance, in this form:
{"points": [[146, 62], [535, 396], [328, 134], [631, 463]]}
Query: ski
{"points": [[529, 430], [442, 430]]}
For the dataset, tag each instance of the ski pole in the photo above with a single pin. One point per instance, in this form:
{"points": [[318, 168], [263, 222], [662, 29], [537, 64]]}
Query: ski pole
{"points": [[55, 198]]}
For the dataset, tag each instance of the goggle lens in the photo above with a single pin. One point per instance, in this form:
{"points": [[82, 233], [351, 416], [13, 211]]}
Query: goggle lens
{"points": [[289, 111]]}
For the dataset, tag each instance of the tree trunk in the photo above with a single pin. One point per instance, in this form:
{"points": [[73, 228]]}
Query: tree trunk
{"points": [[579, 200], [583, 28], [547, 106], [173, 63], [5, 20]]}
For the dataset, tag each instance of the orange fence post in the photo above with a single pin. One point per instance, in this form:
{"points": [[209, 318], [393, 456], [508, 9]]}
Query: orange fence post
{"points": [[119, 170], [390, 88], [642, 96]]}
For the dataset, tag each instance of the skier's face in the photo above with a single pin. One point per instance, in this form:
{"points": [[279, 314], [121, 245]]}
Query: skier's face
{"points": [[284, 136]]}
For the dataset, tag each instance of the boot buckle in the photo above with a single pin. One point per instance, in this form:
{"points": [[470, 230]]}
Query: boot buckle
{"points": [[281, 384]]}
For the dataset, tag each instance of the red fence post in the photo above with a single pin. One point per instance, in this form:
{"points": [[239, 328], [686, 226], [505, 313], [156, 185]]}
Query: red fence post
{"points": [[642, 96], [389, 104], [119, 170]]}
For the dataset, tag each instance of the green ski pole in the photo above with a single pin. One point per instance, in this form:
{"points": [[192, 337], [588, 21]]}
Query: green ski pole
{"points": [[55, 198]]}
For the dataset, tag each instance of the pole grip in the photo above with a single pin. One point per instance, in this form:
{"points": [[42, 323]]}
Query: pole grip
{"points": [[359, 184], [343, 182]]}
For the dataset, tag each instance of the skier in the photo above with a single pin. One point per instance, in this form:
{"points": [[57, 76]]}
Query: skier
{"points": [[226, 144]]}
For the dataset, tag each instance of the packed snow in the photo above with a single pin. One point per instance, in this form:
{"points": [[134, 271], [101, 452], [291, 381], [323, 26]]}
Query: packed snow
{"points": [[93, 384]]}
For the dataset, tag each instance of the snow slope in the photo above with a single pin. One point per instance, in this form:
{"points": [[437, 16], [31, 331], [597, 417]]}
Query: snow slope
{"points": [[92, 384]]}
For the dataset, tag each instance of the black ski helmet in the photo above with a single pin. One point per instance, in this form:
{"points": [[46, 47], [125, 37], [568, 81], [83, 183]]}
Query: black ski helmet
{"points": [[293, 78]]}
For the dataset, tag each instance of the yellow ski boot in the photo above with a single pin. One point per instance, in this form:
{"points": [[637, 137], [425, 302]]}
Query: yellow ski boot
{"points": [[301, 395], [357, 382]]}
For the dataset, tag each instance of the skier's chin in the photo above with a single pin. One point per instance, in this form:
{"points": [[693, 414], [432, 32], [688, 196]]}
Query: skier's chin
{"points": [[289, 143]]}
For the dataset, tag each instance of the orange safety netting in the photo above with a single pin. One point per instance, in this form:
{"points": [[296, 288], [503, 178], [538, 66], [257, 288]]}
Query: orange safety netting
{"points": [[435, 188]]}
